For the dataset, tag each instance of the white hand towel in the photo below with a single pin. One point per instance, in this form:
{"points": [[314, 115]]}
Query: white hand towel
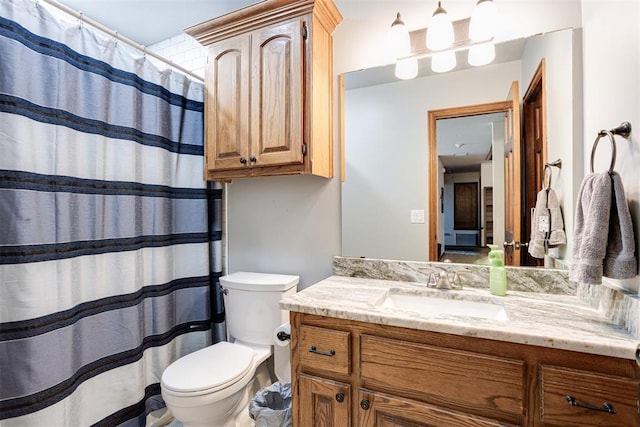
{"points": [[547, 225], [620, 261], [591, 228]]}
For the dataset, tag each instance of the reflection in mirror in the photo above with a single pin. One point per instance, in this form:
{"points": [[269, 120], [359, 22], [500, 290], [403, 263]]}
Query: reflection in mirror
{"points": [[385, 212], [472, 204]]}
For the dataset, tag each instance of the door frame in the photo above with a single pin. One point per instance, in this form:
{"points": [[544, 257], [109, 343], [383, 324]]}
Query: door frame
{"points": [[432, 163], [537, 85]]}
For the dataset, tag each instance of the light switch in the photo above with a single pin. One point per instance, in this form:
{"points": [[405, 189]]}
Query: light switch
{"points": [[417, 216]]}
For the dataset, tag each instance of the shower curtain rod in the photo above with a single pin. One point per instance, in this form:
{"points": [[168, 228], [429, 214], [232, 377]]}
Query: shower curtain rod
{"points": [[116, 35]]}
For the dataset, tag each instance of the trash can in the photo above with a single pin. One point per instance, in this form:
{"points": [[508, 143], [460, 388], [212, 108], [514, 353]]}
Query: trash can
{"points": [[271, 406]]}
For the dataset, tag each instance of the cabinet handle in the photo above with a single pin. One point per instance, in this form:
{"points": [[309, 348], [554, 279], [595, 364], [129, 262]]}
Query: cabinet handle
{"points": [[253, 159], [364, 404], [243, 160], [340, 397], [329, 353], [606, 407]]}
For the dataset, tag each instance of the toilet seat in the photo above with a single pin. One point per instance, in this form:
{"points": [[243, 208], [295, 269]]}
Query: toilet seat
{"points": [[209, 369]]}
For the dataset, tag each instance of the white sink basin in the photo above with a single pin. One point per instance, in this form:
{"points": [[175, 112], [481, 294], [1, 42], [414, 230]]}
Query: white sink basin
{"points": [[431, 304]]}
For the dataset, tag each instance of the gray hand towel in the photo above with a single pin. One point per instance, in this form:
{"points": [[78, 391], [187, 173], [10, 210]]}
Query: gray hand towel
{"points": [[547, 225], [620, 261], [591, 228]]}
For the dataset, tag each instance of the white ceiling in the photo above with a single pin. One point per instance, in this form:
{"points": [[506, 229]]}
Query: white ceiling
{"points": [[150, 21]]}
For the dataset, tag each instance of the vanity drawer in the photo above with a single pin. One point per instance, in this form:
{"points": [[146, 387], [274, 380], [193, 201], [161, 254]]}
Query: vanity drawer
{"points": [[325, 349], [587, 389], [440, 375]]}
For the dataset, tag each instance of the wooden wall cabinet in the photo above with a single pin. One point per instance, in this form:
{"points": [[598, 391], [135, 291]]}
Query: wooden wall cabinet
{"points": [[348, 373], [269, 90]]}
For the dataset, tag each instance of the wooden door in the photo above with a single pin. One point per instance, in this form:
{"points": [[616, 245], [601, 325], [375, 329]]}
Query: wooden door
{"points": [[465, 206], [513, 179], [227, 104], [535, 152], [277, 95], [323, 403]]}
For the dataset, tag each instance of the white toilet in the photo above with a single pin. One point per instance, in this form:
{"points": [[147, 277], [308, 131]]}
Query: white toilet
{"points": [[213, 386]]}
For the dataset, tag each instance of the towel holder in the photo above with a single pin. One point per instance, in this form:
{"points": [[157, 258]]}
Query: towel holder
{"points": [[547, 167], [623, 130]]}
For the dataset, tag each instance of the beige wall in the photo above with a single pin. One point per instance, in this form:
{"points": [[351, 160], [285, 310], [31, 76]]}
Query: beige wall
{"points": [[611, 39]]}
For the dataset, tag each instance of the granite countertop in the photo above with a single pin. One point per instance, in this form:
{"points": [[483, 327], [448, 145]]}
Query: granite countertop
{"points": [[547, 320]]}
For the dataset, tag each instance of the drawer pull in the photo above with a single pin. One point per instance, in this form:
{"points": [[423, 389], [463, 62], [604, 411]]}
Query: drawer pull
{"points": [[606, 407], [364, 404], [340, 397], [329, 353]]}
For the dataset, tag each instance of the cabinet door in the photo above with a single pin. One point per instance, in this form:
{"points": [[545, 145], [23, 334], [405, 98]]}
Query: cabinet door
{"points": [[323, 403], [227, 124], [379, 410], [277, 95]]}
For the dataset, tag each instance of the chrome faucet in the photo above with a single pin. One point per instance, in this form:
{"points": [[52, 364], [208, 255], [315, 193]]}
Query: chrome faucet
{"points": [[442, 279]]}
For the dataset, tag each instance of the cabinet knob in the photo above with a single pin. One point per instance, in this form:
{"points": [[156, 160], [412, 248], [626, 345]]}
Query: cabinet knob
{"points": [[243, 160], [340, 397], [253, 159], [364, 404]]}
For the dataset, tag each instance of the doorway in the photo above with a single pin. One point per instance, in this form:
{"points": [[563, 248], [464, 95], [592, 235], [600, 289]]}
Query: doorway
{"points": [[435, 242]]}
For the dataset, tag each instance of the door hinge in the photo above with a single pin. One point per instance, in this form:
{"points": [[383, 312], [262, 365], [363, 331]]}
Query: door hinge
{"points": [[304, 148], [304, 30]]}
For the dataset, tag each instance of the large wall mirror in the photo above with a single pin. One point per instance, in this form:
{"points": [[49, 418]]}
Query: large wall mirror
{"points": [[386, 192]]}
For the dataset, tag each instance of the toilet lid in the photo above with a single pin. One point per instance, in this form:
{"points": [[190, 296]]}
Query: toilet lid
{"points": [[215, 366]]}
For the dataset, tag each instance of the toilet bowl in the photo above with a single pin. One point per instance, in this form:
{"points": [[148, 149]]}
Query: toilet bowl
{"points": [[214, 385]]}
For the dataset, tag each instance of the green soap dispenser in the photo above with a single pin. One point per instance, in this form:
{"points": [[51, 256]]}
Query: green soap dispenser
{"points": [[497, 273]]}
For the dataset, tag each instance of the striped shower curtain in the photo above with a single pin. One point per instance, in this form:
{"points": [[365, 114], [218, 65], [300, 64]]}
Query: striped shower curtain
{"points": [[105, 231]]}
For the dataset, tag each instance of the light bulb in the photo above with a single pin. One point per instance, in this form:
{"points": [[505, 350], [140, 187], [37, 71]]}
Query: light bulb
{"points": [[484, 20], [482, 54], [407, 68], [398, 39], [440, 30], [443, 62]]}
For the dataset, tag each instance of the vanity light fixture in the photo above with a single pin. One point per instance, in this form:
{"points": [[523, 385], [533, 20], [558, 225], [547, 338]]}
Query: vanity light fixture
{"points": [[400, 46], [475, 35], [442, 62], [406, 68], [440, 30], [482, 54], [398, 38], [484, 21]]}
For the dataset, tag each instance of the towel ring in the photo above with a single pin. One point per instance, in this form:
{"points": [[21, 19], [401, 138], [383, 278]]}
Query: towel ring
{"points": [[547, 167], [544, 176], [613, 148]]}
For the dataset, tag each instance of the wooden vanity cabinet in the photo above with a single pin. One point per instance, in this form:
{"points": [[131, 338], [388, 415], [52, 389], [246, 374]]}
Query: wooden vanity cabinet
{"points": [[268, 104], [348, 373]]}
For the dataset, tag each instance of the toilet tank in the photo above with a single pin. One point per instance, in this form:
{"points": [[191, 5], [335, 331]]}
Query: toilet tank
{"points": [[252, 304]]}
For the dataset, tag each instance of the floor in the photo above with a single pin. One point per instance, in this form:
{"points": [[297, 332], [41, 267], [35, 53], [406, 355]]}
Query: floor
{"points": [[465, 255]]}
